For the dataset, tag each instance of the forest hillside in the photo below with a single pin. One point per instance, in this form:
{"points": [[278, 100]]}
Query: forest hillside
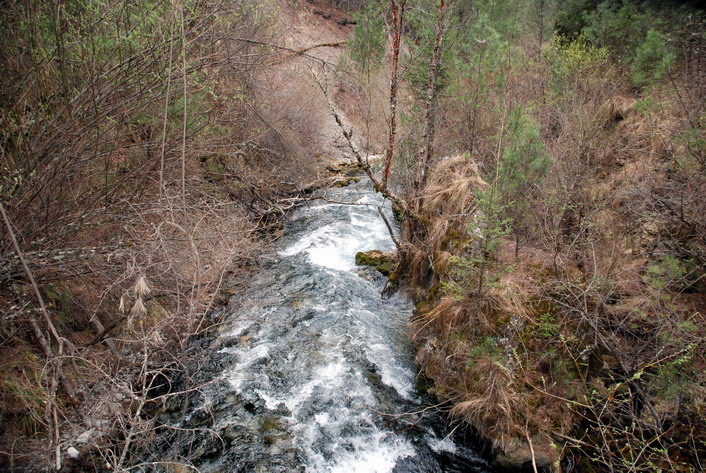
{"points": [[149, 151], [549, 171], [546, 161]]}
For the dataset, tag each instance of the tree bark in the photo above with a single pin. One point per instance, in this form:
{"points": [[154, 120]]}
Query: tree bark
{"points": [[397, 8], [430, 114], [362, 162]]}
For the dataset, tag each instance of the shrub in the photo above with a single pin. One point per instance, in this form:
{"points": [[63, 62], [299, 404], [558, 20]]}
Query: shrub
{"points": [[653, 59]]}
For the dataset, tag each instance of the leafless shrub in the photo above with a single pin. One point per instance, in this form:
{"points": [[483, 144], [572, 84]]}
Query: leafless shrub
{"points": [[124, 160]]}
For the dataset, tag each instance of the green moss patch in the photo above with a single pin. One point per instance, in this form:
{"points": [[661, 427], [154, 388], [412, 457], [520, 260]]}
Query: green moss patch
{"points": [[384, 262]]}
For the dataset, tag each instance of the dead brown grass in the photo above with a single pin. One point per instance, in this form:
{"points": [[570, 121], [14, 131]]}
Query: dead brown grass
{"points": [[494, 408]]}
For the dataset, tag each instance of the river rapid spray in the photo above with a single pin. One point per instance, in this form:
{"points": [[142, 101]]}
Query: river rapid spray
{"points": [[317, 373]]}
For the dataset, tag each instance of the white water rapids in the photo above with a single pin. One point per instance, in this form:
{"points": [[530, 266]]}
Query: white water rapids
{"points": [[318, 370]]}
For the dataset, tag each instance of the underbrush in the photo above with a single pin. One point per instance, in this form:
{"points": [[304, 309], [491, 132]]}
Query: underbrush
{"points": [[139, 180], [561, 297]]}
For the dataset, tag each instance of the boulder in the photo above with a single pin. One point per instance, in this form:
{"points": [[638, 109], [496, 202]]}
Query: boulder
{"points": [[383, 261], [73, 453], [518, 456]]}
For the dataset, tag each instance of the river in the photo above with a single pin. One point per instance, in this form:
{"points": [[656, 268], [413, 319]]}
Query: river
{"points": [[316, 371]]}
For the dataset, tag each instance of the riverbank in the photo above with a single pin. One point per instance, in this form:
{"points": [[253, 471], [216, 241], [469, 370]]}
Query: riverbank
{"points": [[160, 216], [313, 370]]}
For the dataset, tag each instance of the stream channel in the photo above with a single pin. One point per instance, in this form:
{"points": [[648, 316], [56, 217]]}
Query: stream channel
{"points": [[315, 372]]}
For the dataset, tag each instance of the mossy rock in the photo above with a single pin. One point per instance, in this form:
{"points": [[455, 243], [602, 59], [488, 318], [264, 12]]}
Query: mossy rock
{"points": [[519, 455], [346, 181], [384, 262]]}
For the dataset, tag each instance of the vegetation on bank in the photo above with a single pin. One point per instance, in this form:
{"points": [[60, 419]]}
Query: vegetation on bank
{"points": [[554, 237], [547, 159], [137, 178]]}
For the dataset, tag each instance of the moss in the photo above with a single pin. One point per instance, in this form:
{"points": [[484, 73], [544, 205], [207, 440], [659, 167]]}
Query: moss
{"points": [[345, 181], [384, 262]]}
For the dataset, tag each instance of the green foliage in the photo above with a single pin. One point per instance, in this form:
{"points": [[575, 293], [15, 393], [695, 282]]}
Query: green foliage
{"points": [[666, 273], [524, 161], [489, 347], [422, 21], [522, 167], [571, 17], [574, 64], [489, 227], [539, 16], [483, 49], [493, 221], [547, 326], [454, 289], [505, 17], [367, 46], [672, 379], [653, 59], [576, 56], [460, 273], [645, 106], [486, 30], [634, 31], [618, 26]]}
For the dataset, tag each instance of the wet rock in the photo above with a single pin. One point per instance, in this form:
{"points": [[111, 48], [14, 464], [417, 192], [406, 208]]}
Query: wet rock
{"points": [[206, 448], [235, 434], [519, 456], [271, 423]]}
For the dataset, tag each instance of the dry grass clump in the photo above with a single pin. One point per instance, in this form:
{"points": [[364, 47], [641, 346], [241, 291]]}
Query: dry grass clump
{"points": [[452, 186], [448, 205], [448, 312], [495, 407], [485, 353]]}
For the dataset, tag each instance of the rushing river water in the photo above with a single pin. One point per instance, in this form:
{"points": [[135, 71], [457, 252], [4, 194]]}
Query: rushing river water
{"points": [[317, 371]]}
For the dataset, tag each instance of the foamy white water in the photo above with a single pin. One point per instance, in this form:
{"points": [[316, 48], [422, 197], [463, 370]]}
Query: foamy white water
{"points": [[320, 371]]}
